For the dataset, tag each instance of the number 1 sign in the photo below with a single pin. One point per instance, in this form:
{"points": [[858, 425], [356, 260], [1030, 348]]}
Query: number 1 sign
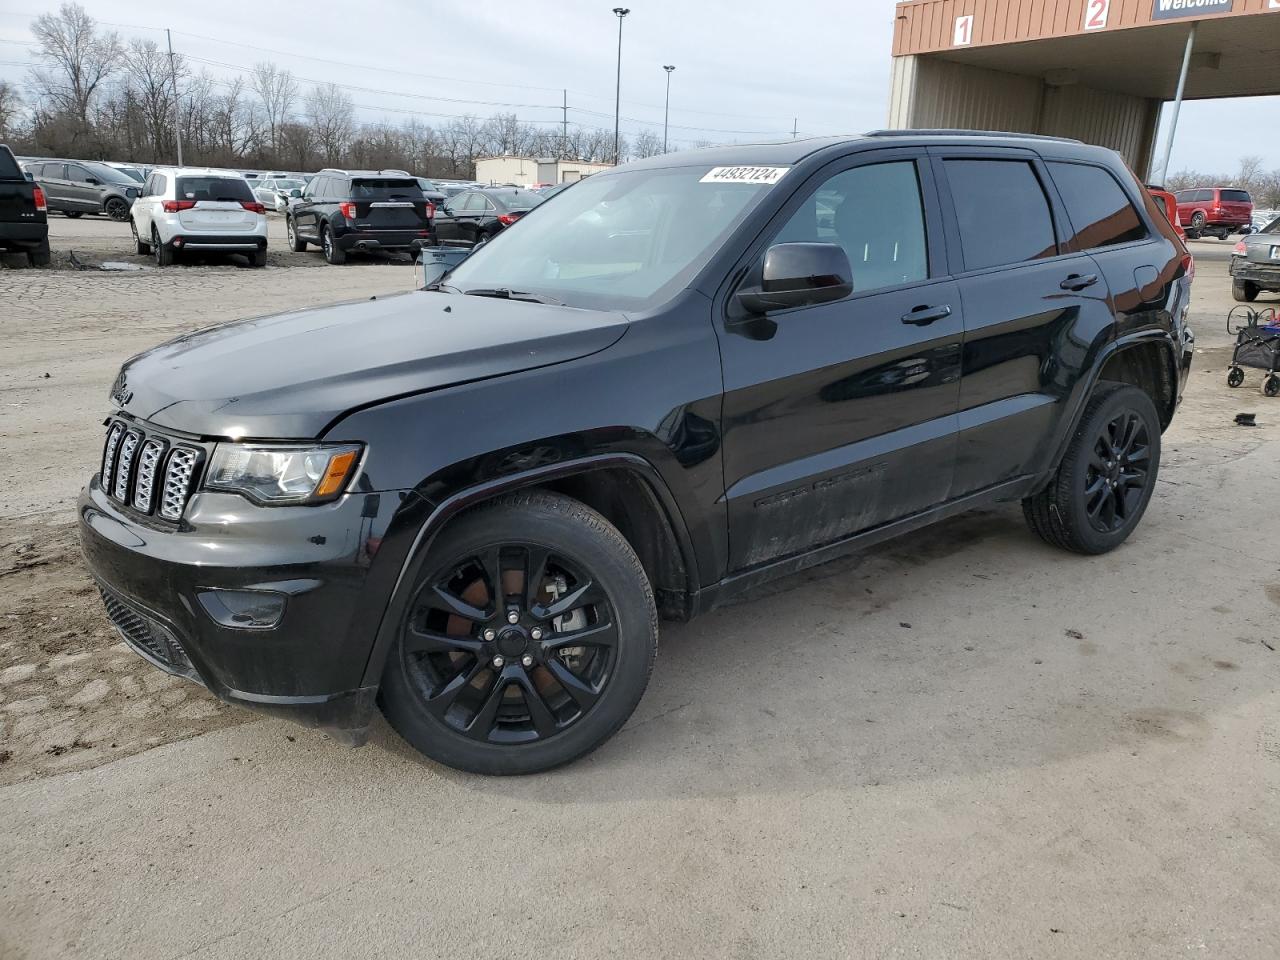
{"points": [[1095, 14], [963, 35]]}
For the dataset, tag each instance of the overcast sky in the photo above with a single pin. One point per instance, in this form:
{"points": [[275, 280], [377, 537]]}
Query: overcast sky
{"points": [[744, 71]]}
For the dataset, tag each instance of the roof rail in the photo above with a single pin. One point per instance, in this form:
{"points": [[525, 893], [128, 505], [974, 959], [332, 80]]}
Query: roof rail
{"points": [[946, 132]]}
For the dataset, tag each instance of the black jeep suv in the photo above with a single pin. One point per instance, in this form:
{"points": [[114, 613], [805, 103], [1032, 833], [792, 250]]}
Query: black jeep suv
{"points": [[469, 504], [360, 210]]}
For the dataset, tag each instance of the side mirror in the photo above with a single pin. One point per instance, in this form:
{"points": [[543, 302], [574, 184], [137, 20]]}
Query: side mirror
{"points": [[799, 275], [29, 176], [295, 194], [94, 182]]}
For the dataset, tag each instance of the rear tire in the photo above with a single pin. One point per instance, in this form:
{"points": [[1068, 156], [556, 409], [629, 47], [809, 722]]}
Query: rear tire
{"points": [[332, 252], [472, 711], [39, 258], [1196, 230], [1244, 291], [258, 258], [1103, 484], [164, 253], [139, 247]]}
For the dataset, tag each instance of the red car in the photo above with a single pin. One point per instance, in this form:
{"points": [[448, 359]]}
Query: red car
{"points": [[1214, 211], [1169, 205]]}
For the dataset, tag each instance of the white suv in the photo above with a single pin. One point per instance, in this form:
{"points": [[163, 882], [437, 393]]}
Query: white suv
{"points": [[188, 208]]}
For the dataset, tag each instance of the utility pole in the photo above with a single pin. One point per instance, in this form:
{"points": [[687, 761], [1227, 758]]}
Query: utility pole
{"points": [[564, 126], [666, 110], [795, 121], [177, 106], [617, 97]]}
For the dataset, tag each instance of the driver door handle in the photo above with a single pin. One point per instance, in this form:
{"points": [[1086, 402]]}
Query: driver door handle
{"points": [[925, 315], [1077, 281]]}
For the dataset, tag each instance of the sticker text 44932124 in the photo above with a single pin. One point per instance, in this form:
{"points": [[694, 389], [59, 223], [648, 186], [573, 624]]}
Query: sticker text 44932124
{"points": [[765, 175]]}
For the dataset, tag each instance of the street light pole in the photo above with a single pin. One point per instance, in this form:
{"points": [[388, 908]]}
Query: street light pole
{"points": [[617, 100], [666, 110], [177, 106]]}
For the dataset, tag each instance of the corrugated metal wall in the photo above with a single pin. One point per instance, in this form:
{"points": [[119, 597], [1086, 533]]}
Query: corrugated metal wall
{"points": [[927, 25], [930, 92]]}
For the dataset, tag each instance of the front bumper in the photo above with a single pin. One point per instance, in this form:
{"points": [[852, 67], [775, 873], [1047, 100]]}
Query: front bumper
{"points": [[1265, 274], [310, 666]]}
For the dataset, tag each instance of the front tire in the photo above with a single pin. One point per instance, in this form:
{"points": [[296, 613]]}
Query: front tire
{"points": [[332, 252], [1104, 482], [117, 209], [540, 670], [1244, 291]]}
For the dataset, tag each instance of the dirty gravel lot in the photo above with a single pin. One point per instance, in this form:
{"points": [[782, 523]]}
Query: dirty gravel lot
{"points": [[963, 744]]}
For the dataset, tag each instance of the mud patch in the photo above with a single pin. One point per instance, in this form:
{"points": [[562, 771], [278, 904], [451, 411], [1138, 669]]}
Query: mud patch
{"points": [[72, 695]]}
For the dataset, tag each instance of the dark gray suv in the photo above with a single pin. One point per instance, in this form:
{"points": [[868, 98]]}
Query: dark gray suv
{"points": [[76, 187]]}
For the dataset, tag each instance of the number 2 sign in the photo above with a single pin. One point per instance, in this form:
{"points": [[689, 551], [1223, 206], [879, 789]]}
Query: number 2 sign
{"points": [[963, 35], [1095, 14]]}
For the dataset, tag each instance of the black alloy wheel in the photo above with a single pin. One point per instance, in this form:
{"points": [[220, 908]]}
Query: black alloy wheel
{"points": [[511, 644], [1105, 479], [527, 641], [117, 209], [1118, 472]]}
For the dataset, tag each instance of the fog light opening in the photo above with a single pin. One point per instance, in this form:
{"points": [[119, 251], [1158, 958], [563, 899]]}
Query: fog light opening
{"points": [[243, 609]]}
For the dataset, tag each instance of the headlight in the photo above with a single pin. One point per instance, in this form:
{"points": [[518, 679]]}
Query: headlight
{"points": [[278, 473]]}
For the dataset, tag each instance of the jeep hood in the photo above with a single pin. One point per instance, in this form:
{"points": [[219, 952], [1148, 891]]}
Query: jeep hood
{"points": [[291, 374]]}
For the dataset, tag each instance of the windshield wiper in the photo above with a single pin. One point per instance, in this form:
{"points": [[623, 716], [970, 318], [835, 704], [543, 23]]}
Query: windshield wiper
{"points": [[506, 293]]}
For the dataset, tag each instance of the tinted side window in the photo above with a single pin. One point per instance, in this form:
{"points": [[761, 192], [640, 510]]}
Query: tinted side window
{"points": [[1100, 212], [77, 173], [875, 214], [1235, 196], [1184, 196], [1203, 195], [1002, 212]]}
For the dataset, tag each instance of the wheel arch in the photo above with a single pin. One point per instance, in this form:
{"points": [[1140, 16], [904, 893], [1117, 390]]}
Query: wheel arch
{"points": [[1147, 359], [625, 488]]}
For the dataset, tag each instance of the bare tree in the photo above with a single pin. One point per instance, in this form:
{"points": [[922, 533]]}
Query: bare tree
{"points": [[148, 76], [278, 92], [75, 61], [332, 117], [646, 144], [10, 106]]}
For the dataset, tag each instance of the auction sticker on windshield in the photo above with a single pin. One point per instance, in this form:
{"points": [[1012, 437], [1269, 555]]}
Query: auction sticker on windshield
{"points": [[744, 175]]}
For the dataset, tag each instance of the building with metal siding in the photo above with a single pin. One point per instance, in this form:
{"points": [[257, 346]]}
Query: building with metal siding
{"points": [[1094, 70]]}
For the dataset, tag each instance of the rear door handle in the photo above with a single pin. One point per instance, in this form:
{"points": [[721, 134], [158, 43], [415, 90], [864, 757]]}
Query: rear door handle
{"points": [[1079, 281], [925, 315]]}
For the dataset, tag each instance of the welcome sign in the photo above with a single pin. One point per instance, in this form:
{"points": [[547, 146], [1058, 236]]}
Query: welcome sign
{"points": [[1174, 9]]}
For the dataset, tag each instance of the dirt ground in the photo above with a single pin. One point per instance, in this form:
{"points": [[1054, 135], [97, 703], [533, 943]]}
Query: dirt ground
{"points": [[961, 744], [72, 695]]}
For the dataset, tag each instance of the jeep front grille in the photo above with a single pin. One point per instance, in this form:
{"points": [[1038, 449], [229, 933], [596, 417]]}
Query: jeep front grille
{"points": [[149, 472]]}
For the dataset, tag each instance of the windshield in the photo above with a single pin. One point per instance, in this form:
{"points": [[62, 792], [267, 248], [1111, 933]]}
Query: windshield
{"points": [[110, 174], [133, 173], [289, 184], [1272, 227], [624, 241], [517, 199]]}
